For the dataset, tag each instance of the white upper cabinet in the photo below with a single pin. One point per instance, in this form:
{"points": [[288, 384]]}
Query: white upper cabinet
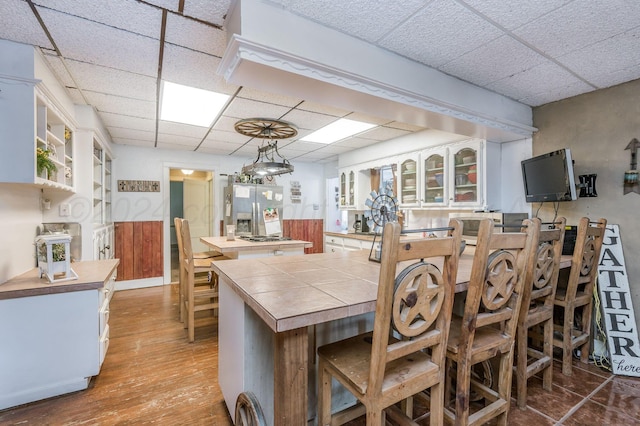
{"points": [[434, 177], [465, 168], [41, 130], [408, 182]]}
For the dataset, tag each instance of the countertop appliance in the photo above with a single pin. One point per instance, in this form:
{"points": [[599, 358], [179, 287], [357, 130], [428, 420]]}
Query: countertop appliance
{"points": [[471, 223], [253, 209]]}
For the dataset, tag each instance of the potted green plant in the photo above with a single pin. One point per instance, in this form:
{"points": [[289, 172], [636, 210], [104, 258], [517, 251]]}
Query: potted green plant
{"points": [[44, 162]]}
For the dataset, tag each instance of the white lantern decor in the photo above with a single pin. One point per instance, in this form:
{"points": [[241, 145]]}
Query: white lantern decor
{"points": [[54, 257]]}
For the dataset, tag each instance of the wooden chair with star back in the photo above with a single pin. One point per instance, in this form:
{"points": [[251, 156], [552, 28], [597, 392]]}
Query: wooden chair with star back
{"points": [[405, 353], [487, 328], [574, 301], [534, 339]]}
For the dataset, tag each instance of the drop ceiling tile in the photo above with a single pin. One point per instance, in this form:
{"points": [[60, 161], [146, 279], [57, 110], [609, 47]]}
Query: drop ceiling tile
{"points": [[357, 142], [195, 35], [88, 41], [226, 124], [131, 134], [323, 109], [512, 15], [259, 95], [166, 4], [567, 91], [367, 118], [175, 146], [110, 119], [133, 142], [493, 61], [121, 105], [360, 18], [172, 128], [382, 133], [218, 146], [308, 120], [598, 62], [18, 23], [300, 145], [579, 24], [182, 140], [556, 82], [102, 79], [63, 76], [228, 137], [207, 10], [404, 126], [133, 16], [184, 66], [76, 96], [439, 33], [333, 149], [245, 108]]}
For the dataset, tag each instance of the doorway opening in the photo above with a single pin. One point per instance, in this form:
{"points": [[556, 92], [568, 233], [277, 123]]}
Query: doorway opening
{"points": [[191, 198]]}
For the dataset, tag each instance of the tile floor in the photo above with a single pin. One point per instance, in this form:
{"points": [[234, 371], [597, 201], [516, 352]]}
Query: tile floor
{"points": [[592, 396]]}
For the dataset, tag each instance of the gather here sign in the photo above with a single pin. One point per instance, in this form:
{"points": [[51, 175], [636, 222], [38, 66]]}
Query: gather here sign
{"points": [[617, 307]]}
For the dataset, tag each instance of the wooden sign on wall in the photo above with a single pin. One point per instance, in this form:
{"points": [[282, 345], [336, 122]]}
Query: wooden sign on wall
{"points": [[617, 306], [138, 186]]}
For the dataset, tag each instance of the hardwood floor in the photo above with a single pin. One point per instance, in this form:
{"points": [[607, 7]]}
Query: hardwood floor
{"points": [[151, 373]]}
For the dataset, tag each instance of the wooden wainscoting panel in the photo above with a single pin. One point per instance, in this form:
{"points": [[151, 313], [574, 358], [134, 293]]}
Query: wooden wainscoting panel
{"points": [[306, 230], [139, 248]]}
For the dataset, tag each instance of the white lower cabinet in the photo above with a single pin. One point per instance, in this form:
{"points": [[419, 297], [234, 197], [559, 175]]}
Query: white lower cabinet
{"points": [[334, 244], [53, 344]]}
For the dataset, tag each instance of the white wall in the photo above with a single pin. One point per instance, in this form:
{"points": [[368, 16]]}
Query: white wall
{"points": [[20, 215], [139, 163]]}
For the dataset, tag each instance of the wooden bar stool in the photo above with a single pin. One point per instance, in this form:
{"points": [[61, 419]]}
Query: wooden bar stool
{"points": [[405, 353], [196, 298], [536, 312], [577, 296], [488, 326], [202, 264]]}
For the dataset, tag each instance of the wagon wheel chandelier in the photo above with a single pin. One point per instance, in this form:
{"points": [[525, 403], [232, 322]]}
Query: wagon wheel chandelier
{"points": [[265, 128]]}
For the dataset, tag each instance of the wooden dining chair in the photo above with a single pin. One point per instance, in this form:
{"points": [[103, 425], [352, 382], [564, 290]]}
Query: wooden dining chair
{"points": [[487, 328], [196, 298], [202, 264], [536, 313], [575, 299], [405, 352]]}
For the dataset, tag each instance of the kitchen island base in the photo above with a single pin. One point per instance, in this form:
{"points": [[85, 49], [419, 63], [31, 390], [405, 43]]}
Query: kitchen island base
{"points": [[252, 358]]}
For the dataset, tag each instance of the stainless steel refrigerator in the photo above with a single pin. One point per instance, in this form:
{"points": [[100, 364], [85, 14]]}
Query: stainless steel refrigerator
{"points": [[253, 209]]}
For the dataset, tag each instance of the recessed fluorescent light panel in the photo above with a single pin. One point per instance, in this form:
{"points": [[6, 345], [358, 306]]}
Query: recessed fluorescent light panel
{"points": [[338, 130], [189, 105]]}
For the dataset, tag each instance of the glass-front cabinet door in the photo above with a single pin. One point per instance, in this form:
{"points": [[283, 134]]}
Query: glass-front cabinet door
{"points": [[343, 189], [408, 182], [434, 174], [352, 189], [464, 177]]}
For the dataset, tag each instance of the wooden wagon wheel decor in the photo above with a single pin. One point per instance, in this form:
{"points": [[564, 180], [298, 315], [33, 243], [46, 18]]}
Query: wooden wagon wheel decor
{"points": [[544, 265], [417, 299], [248, 411], [266, 128], [500, 280], [587, 257]]}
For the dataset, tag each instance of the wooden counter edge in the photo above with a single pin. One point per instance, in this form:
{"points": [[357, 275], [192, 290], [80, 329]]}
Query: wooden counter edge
{"points": [[91, 276]]}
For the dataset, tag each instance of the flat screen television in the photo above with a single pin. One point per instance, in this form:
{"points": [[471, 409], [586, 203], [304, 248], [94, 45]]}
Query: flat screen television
{"points": [[549, 177]]}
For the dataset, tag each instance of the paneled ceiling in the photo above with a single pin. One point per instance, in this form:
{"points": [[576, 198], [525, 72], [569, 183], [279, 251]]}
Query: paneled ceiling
{"points": [[112, 55]]}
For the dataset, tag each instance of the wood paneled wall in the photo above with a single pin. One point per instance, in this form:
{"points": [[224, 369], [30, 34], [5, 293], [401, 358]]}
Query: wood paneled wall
{"points": [[305, 230], [139, 248]]}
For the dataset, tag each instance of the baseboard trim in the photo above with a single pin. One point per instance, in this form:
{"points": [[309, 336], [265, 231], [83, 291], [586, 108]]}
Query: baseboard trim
{"points": [[141, 283]]}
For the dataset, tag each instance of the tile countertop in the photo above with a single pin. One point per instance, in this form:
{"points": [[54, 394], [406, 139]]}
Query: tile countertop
{"points": [[297, 291], [366, 236], [223, 245], [91, 276]]}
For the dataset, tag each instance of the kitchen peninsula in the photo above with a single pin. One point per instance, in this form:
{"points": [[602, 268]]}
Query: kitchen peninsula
{"points": [[54, 335], [267, 246], [274, 313]]}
